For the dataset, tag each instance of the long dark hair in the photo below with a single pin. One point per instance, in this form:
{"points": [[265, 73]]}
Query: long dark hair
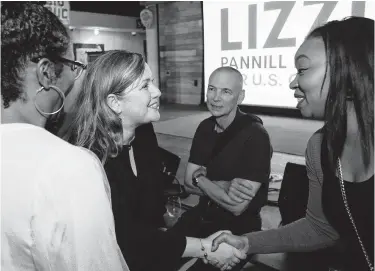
{"points": [[349, 46]]}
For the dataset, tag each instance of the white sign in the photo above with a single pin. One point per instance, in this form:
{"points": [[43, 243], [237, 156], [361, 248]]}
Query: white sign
{"points": [[260, 39], [60, 9]]}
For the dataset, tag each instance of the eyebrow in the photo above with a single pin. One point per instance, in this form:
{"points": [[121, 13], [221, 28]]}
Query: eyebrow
{"points": [[299, 57], [222, 88], [146, 80]]}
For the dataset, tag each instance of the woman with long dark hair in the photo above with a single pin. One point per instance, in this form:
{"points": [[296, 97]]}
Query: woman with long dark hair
{"points": [[335, 83]]}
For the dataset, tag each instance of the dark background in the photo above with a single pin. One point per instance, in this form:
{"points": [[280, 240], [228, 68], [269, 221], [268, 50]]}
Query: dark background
{"points": [[122, 8]]}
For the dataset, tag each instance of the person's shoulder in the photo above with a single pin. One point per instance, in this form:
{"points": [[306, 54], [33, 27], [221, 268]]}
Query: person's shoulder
{"points": [[71, 155], [252, 118], [206, 124], [313, 149], [315, 141], [255, 125]]}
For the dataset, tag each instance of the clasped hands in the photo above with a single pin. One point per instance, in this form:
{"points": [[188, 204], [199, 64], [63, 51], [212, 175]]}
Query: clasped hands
{"points": [[221, 254]]}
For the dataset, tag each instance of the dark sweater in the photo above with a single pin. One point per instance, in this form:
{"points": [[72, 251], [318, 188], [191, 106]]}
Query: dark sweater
{"points": [[138, 207]]}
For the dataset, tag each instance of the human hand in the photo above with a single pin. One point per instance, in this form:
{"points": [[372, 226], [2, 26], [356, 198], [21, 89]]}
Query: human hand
{"points": [[225, 256], [241, 190], [200, 171], [239, 242]]}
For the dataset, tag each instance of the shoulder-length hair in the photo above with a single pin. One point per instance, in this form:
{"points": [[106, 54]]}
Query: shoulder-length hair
{"points": [[349, 46], [96, 126]]}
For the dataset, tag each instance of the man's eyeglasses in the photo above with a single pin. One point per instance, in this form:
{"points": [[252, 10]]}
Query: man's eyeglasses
{"points": [[76, 66]]}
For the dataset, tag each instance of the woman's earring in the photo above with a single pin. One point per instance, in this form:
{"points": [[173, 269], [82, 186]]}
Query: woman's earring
{"points": [[62, 95]]}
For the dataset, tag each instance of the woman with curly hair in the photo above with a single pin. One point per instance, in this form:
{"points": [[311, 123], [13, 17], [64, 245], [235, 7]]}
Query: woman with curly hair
{"points": [[56, 210]]}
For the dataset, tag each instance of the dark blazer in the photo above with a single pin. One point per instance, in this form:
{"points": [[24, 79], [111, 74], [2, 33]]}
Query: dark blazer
{"points": [[138, 207]]}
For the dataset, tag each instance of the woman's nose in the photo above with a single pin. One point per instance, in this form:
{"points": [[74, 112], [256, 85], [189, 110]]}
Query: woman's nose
{"points": [[156, 93], [294, 83]]}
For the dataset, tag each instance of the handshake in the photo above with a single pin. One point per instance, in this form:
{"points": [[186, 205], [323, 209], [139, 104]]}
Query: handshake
{"points": [[224, 250]]}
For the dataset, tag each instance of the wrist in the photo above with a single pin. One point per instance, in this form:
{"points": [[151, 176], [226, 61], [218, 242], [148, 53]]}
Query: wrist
{"points": [[245, 240], [196, 179], [204, 249]]}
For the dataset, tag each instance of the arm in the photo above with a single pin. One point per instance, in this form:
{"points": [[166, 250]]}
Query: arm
{"points": [[252, 169], [188, 181], [234, 205], [216, 190], [191, 189], [307, 234], [225, 256]]}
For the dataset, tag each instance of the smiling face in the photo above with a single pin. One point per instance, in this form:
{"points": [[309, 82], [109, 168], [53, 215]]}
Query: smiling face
{"points": [[140, 102], [312, 81], [224, 93]]}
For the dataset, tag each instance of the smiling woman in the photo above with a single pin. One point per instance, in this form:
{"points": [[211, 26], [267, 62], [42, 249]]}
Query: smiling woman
{"points": [[335, 82], [114, 112]]}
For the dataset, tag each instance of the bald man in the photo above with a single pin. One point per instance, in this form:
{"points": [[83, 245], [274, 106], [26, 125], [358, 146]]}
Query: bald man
{"points": [[229, 164]]}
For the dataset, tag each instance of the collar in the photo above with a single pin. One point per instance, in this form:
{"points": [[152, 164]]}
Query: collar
{"points": [[239, 114]]}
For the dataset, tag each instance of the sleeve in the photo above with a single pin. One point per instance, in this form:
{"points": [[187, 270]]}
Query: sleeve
{"points": [[201, 146], [89, 239], [255, 161], [307, 234], [147, 248], [138, 238]]}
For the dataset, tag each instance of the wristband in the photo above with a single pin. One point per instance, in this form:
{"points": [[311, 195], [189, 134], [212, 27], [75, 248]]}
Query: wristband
{"points": [[203, 250], [195, 179]]}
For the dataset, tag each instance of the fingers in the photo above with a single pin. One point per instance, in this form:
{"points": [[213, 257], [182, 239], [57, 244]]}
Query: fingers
{"points": [[239, 254], [236, 197], [223, 237], [243, 182], [242, 186], [234, 194]]}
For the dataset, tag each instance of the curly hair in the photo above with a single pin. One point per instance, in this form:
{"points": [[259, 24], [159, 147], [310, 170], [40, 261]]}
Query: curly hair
{"points": [[96, 126], [349, 46], [28, 30]]}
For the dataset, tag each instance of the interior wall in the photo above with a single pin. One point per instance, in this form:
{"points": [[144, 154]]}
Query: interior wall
{"points": [[181, 52], [112, 40]]}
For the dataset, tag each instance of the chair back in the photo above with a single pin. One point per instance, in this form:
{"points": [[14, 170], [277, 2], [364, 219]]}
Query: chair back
{"points": [[169, 165], [294, 193]]}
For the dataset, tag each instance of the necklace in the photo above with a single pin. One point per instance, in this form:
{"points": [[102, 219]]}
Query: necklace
{"points": [[343, 193]]}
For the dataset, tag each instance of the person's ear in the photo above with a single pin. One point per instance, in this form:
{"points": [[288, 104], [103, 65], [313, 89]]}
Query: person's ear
{"points": [[114, 103], [45, 72], [241, 97]]}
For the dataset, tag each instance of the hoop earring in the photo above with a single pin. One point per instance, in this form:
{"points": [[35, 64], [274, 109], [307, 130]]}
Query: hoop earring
{"points": [[62, 95]]}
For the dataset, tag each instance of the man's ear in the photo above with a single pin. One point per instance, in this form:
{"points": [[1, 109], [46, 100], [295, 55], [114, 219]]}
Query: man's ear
{"points": [[114, 103], [241, 97], [45, 72]]}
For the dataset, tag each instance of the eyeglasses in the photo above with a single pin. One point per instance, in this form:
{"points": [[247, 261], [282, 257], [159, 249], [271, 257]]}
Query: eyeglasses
{"points": [[76, 66]]}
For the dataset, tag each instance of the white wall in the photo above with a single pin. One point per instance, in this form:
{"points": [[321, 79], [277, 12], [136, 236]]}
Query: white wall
{"points": [[112, 40]]}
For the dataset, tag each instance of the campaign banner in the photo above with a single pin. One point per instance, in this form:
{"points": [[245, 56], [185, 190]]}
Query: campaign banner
{"points": [[260, 38]]}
